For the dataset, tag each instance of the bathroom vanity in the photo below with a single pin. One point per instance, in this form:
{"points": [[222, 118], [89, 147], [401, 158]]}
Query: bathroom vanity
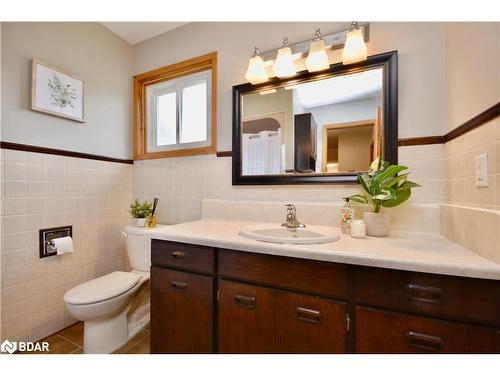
{"points": [[253, 298]]}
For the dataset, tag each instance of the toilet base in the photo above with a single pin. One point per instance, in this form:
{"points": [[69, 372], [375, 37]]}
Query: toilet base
{"points": [[106, 336]]}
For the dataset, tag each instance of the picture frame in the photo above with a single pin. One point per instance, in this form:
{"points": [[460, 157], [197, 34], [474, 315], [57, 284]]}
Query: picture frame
{"points": [[57, 92]]}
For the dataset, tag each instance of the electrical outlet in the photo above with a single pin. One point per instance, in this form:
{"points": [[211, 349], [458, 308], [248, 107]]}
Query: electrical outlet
{"points": [[482, 170]]}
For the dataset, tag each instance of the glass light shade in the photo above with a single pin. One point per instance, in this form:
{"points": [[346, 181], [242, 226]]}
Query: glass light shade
{"points": [[256, 73], [283, 65], [317, 58], [354, 48]]}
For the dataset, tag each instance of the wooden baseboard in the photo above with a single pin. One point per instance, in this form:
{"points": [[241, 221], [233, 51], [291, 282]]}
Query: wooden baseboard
{"points": [[224, 154], [431, 140], [481, 119], [56, 151]]}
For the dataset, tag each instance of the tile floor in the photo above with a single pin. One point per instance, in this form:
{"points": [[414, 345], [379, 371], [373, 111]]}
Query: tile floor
{"points": [[70, 341]]}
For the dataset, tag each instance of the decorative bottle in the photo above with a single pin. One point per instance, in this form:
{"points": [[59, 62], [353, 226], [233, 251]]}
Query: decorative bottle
{"points": [[346, 213]]}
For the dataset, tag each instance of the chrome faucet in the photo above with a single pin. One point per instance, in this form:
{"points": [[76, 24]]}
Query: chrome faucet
{"points": [[291, 218]]}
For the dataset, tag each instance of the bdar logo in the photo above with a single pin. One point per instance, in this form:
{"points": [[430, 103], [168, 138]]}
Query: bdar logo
{"points": [[8, 347]]}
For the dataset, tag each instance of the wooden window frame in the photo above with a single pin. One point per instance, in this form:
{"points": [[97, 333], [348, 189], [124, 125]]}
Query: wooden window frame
{"points": [[181, 69]]}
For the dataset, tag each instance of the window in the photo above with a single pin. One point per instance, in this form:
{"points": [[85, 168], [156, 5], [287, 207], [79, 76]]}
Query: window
{"points": [[175, 109]]}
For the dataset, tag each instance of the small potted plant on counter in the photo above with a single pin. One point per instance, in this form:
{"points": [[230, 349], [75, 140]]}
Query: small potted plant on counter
{"points": [[385, 187], [140, 211]]}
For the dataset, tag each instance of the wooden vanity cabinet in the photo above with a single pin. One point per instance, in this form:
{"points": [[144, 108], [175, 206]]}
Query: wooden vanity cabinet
{"points": [[182, 298], [255, 319], [413, 312], [449, 297], [309, 324], [246, 318], [206, 300], [297, 306], [181, 312], [383, 331]]}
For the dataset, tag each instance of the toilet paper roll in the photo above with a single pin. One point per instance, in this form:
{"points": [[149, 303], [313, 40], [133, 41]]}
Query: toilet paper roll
{"points": [[63, 245]]}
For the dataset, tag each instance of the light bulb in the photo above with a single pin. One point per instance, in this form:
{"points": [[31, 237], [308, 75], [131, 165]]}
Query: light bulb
{"points": [[355, 47], [283, 65], [317, 58], [256, 73]]}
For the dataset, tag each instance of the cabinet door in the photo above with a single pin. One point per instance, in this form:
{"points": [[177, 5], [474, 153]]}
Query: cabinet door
{"points": [[307, 324], [181, 312], [246, 318], [380, 331]]}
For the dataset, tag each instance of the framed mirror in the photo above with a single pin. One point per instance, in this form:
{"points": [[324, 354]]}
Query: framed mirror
{"points": [[322, 127]]}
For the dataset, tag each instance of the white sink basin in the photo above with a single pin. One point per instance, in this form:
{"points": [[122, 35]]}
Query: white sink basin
{"points": [[310, 235]]}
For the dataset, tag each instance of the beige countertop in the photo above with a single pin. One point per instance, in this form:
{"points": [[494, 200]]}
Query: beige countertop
{"points": [[420, 252]]}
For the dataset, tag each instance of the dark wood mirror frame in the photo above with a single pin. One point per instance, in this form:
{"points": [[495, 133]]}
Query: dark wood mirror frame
{"points": [[388, 61]]}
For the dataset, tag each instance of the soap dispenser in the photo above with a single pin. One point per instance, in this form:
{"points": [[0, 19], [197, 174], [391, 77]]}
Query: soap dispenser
{"points": [[346, 214]]}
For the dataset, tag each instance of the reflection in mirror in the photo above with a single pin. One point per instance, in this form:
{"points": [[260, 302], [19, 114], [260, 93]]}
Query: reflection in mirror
{"points": [[327, 126]]}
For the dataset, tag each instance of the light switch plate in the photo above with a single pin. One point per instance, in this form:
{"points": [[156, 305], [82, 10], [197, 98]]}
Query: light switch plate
{"points": [[482, 170]]}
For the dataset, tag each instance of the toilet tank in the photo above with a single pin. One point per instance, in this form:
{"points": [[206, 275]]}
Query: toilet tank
{"points": [[138, 243]]}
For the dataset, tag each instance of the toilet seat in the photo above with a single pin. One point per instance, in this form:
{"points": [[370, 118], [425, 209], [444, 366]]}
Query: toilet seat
{"points": [[102, 288]]}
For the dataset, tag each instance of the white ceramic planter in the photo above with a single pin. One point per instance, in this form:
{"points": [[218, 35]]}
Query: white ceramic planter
{"points": [[377, 224], [140, 222]]}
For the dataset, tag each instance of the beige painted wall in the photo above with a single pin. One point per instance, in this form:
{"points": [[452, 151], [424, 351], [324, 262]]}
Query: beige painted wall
{"points": [[42, 191], [472, 67], [87, 50], [471, 215]]}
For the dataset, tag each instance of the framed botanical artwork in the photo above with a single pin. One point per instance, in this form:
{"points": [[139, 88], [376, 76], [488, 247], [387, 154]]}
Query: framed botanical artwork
{"points": [[56, 92]]}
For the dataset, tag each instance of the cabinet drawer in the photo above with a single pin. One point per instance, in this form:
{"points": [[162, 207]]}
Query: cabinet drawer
{"points": [[307, 324], [328, 279], [246, 318], [379, 331], [474, 300], [183, 256], [181, 312]]}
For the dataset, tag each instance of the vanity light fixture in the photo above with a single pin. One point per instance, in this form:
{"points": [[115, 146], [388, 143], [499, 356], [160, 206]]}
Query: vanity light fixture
{"points": [[283, 65], [317, 59], [311, 53], [355, 47], [256, 72]]}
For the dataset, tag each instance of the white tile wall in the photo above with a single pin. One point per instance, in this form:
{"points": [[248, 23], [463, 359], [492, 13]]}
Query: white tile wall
{"points": [[182, 183], [460, 159], [471, 215], [42, 191]]}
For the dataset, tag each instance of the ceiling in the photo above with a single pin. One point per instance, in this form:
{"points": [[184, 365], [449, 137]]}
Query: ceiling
{"points": [[135, 32], [340, 89]]}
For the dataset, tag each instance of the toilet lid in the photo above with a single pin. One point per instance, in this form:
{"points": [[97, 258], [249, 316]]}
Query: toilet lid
{"points": [[105, 287]]}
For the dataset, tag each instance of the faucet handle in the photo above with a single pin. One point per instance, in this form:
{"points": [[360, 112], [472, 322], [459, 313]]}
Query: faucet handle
{"points": [[290, 207]]}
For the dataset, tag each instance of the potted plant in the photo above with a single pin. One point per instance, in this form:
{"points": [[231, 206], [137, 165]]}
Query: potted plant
{"points": [[140, 211], [385, 187]]}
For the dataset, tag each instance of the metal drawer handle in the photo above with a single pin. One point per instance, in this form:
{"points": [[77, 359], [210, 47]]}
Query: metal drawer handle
{"points": [[308, 315], [179, 286], [181, 256], [425, 293], [245, 301], [425, 342]]}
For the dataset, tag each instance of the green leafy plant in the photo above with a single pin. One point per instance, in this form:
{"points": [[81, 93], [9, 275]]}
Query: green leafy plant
{"points": [[140, 210], [384, 186]]}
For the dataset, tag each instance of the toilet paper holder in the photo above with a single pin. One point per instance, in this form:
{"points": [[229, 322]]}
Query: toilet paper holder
{"points": [[47, 237]]}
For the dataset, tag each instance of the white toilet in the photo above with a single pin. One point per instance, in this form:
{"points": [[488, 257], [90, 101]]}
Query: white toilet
{"points": [[115, 307]]}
